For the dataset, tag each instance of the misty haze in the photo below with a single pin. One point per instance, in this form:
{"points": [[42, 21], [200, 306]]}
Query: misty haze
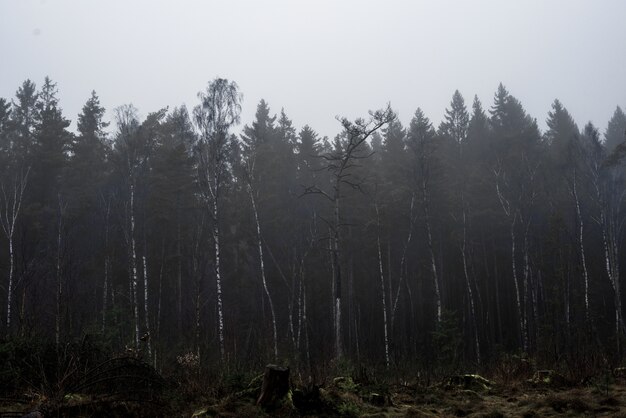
{"points": [[298, 208]]}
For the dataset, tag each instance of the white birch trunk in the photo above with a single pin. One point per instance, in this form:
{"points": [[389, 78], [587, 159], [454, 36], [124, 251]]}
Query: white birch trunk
{"points": [[133, 261], [262, 267], [146, 309], [382, 288], [402, 263], [583, 259], [518, 300], [431, 251], [470, 293], [338, 336], [218, 278], [10, 286], [525, 298], [609, 245], [9, 213]]}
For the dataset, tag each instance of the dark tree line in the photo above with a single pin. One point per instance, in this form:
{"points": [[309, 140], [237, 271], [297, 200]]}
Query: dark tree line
{"points": [[437, 246]]}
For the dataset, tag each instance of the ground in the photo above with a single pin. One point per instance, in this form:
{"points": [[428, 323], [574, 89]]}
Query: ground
{"points": [[540, 397], [544, 395]]}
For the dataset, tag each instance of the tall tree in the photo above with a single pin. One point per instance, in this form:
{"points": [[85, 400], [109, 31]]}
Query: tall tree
{"points": [[341, 163], [422, 142], [616, 130], [218, 111]]}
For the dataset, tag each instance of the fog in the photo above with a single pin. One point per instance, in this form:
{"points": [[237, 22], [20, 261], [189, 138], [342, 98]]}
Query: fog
{"points": [[320, 59]]}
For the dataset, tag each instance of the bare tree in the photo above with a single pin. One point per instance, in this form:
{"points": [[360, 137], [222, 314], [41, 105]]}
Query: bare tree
{"points": [[340, 163]]}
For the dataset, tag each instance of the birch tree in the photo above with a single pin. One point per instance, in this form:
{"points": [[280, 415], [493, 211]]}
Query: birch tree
{"points": [[218, 111], [12, 195]]}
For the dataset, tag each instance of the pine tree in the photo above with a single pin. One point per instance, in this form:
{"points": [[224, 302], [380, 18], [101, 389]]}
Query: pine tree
{"points": [[456, 120], [421, 140], [615, 133]]}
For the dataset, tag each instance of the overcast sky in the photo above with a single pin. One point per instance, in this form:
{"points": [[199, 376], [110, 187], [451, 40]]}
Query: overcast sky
{"points": [[321, 58]]}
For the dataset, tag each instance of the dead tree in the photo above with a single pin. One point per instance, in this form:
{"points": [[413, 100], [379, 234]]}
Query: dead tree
{"points": [[340, 163]]}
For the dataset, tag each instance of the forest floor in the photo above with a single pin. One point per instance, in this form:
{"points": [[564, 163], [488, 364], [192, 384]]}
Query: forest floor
{"points": [[459, 396], [451, 398]]}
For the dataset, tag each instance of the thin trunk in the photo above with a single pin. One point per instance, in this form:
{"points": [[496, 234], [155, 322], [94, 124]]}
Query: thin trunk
{"points": [[331, 252], [337, 268], [9, 213], [382, 287], [57, 334], [179, 281], [197, 312], [146, 309], [583, 259], [470, 293], [198, 277], [403, 262], [10, 286], [134, 262], [431, 251], [306, 328], [609, 262], [526, 299], [518, 300], [262, 267], [158, 317], [105, 287], [218, 278]]}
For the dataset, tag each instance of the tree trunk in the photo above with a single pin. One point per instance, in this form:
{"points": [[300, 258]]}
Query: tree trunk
{"points": [[145, 300], [581, 247], [520, 315], [431, 251], [337, 269], [382, 287], [179, 276], [10, 286], [59, 283], [133, 261], [218, 278], [468, 285], [275, 386], [105, 286], [9, 212], [262, 267], [403, 263]]}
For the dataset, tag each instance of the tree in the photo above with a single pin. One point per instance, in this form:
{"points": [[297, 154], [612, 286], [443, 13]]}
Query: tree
{"points": [[131, 156], [421, 139], [218, 111], [614, 134], [341, 163], [516, 140], [257, 146], [456, 119], [23, 119], [88, 200], [11, 199]]}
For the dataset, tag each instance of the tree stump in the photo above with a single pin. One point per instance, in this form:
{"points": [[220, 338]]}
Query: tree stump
{"points": [[275, 385]]}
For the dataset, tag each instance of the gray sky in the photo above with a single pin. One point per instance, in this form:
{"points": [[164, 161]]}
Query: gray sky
{"points": [[321, 58]]}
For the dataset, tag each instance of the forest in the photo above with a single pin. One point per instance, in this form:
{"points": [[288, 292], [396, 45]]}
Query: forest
{"points": [[207, 246]]}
